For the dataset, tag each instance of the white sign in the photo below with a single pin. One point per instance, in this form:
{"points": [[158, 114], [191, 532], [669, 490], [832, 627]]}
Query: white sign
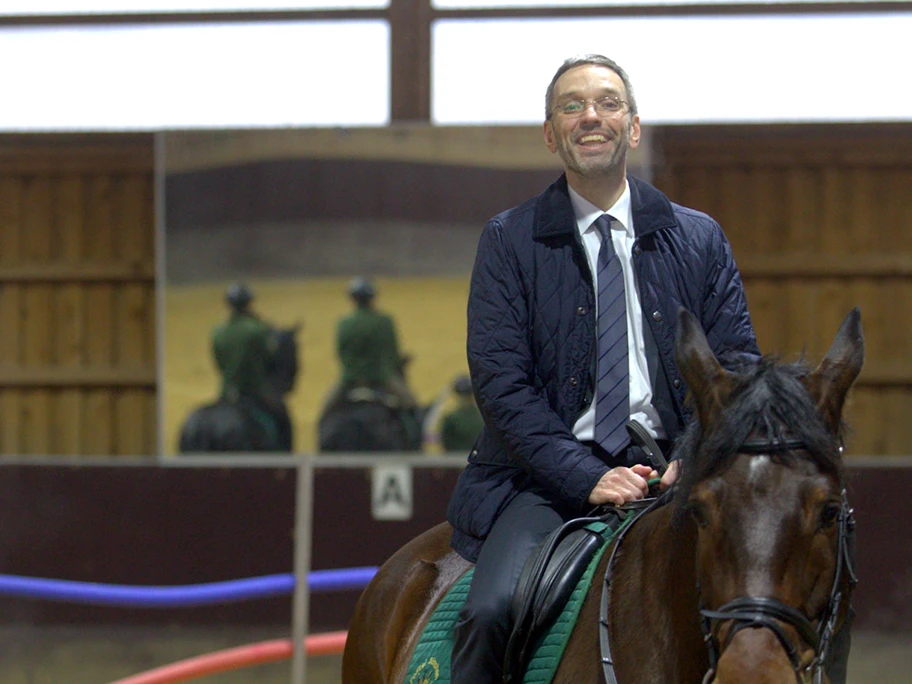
{"points": [[391, 493]]}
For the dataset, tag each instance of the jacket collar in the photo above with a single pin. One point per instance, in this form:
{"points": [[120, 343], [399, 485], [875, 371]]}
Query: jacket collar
{"points": [[554, 216]]}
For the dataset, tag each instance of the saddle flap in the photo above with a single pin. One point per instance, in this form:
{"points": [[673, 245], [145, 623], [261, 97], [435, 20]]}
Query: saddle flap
{"points": [[547, 580], [570, 560]]}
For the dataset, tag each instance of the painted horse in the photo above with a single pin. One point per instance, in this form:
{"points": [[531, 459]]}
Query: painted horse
{"points": [[246, 425], [741, 573], [369, 418]]}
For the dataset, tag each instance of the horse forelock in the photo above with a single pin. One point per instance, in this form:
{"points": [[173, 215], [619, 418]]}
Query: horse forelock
{"points": [[769, 402]]}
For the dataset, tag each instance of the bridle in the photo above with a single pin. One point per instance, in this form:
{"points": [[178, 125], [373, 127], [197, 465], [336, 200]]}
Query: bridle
{"points": [[771, 613]]}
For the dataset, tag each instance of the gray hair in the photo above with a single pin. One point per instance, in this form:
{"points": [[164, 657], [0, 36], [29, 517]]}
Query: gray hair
{"points": [[597, 60]]}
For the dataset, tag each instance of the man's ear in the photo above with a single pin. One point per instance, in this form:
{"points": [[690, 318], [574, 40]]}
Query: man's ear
{"points": [[635, 133], [548, 130]]}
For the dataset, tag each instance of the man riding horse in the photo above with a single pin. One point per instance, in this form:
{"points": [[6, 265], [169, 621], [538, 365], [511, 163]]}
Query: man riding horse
{"points": [[571, 315]]}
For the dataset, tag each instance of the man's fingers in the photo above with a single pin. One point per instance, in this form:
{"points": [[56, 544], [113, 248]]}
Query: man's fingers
{"points": [[615, 498], [630, 486], [621, 485]]}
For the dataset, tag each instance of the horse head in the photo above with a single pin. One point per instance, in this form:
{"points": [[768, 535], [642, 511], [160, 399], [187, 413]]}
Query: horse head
{"points": [[763, 481]]}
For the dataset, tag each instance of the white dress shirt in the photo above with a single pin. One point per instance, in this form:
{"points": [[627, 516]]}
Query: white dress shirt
{"points": [[622, 236]]}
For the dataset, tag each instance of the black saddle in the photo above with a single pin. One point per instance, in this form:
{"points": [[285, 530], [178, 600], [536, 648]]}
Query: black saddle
{"points": [[547, 580]]}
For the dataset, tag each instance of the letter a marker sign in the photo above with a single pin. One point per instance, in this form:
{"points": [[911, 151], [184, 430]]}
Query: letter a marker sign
{"points": [[391, 493]]}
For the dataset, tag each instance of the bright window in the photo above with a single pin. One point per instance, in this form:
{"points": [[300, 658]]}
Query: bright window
{"points": [[65, 7], [518, 4], [812, 68], [230, 75]]}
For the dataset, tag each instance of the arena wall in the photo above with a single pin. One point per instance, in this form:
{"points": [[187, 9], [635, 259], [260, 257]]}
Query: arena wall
{"points": [[77, 295], [151, 525]]}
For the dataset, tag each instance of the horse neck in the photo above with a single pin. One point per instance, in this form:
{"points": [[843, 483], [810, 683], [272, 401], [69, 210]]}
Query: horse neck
{"points": [[667, 547], [656, 597]]}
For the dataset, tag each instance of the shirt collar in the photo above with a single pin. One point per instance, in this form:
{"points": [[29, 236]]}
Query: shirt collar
{"points": [[586, 212]]}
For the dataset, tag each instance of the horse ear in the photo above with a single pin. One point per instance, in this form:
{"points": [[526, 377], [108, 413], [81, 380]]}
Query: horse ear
{"points": [[708, 382], [830, 382]]}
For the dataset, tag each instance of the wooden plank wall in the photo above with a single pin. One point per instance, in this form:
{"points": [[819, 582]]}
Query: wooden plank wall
{"points": [[77, 306], [820, 220]]}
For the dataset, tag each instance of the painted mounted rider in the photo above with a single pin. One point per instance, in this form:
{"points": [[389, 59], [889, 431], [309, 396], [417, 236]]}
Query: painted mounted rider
{"points": [[243, 347], [368, 349], [460, 427]]}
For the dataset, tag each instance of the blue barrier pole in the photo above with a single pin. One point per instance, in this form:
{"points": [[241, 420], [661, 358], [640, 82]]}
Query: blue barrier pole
{"points": [[230, 591]]}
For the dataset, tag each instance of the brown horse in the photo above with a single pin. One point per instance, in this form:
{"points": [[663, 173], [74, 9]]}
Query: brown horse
{"points": [[742, 577]]}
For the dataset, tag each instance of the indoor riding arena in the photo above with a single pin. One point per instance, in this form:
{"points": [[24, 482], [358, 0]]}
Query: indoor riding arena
{"points": [[172, 153]]}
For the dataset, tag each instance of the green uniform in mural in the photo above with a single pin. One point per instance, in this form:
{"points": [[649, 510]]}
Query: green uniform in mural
{"points": [[460, 427], [243, 347], [368, 349]]}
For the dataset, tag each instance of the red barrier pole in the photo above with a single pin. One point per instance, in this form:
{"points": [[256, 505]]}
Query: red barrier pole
{"points": [[237, 658]]}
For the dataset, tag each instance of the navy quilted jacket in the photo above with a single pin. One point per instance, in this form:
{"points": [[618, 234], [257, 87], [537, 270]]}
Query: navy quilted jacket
{"points": [[531, 340]]}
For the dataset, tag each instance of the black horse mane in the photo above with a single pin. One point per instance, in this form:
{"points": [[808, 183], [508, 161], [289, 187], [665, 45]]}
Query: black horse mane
{"points": [[769, 402]]}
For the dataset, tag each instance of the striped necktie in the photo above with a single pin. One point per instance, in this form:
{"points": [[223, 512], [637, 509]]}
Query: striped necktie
{"points": [[612, 393]]}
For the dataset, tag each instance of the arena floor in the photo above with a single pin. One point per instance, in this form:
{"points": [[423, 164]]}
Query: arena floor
{"points": [[97, 656]]}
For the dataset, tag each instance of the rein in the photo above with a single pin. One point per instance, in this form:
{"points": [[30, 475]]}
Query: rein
{"points": [[770, 613], [641, 508]]}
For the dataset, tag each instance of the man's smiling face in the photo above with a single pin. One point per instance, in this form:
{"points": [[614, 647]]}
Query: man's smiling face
{"points": [[590, 144]]}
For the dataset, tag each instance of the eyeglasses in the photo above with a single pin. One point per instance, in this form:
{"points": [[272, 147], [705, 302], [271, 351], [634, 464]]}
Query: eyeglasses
{"points": [[605, 106]]}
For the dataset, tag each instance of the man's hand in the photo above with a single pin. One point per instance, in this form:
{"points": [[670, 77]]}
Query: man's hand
{"points": [[620, 485], [671, 474]]}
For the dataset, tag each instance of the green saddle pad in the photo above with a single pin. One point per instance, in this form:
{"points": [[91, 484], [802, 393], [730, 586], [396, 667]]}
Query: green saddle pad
{"points": [[430, 662]]}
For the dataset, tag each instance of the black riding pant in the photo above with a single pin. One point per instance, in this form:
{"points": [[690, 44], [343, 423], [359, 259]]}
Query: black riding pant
{"points": [[485, 621]]}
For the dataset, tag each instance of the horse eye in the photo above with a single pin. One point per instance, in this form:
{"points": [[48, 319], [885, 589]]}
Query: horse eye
{"points": [[829, 515]]}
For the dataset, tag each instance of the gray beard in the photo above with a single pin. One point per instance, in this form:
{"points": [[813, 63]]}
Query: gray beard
{"points": [[595, 167]]}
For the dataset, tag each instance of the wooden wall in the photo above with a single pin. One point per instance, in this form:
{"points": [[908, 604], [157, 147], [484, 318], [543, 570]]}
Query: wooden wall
{"points": [[820, 220], [77, 281]]}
